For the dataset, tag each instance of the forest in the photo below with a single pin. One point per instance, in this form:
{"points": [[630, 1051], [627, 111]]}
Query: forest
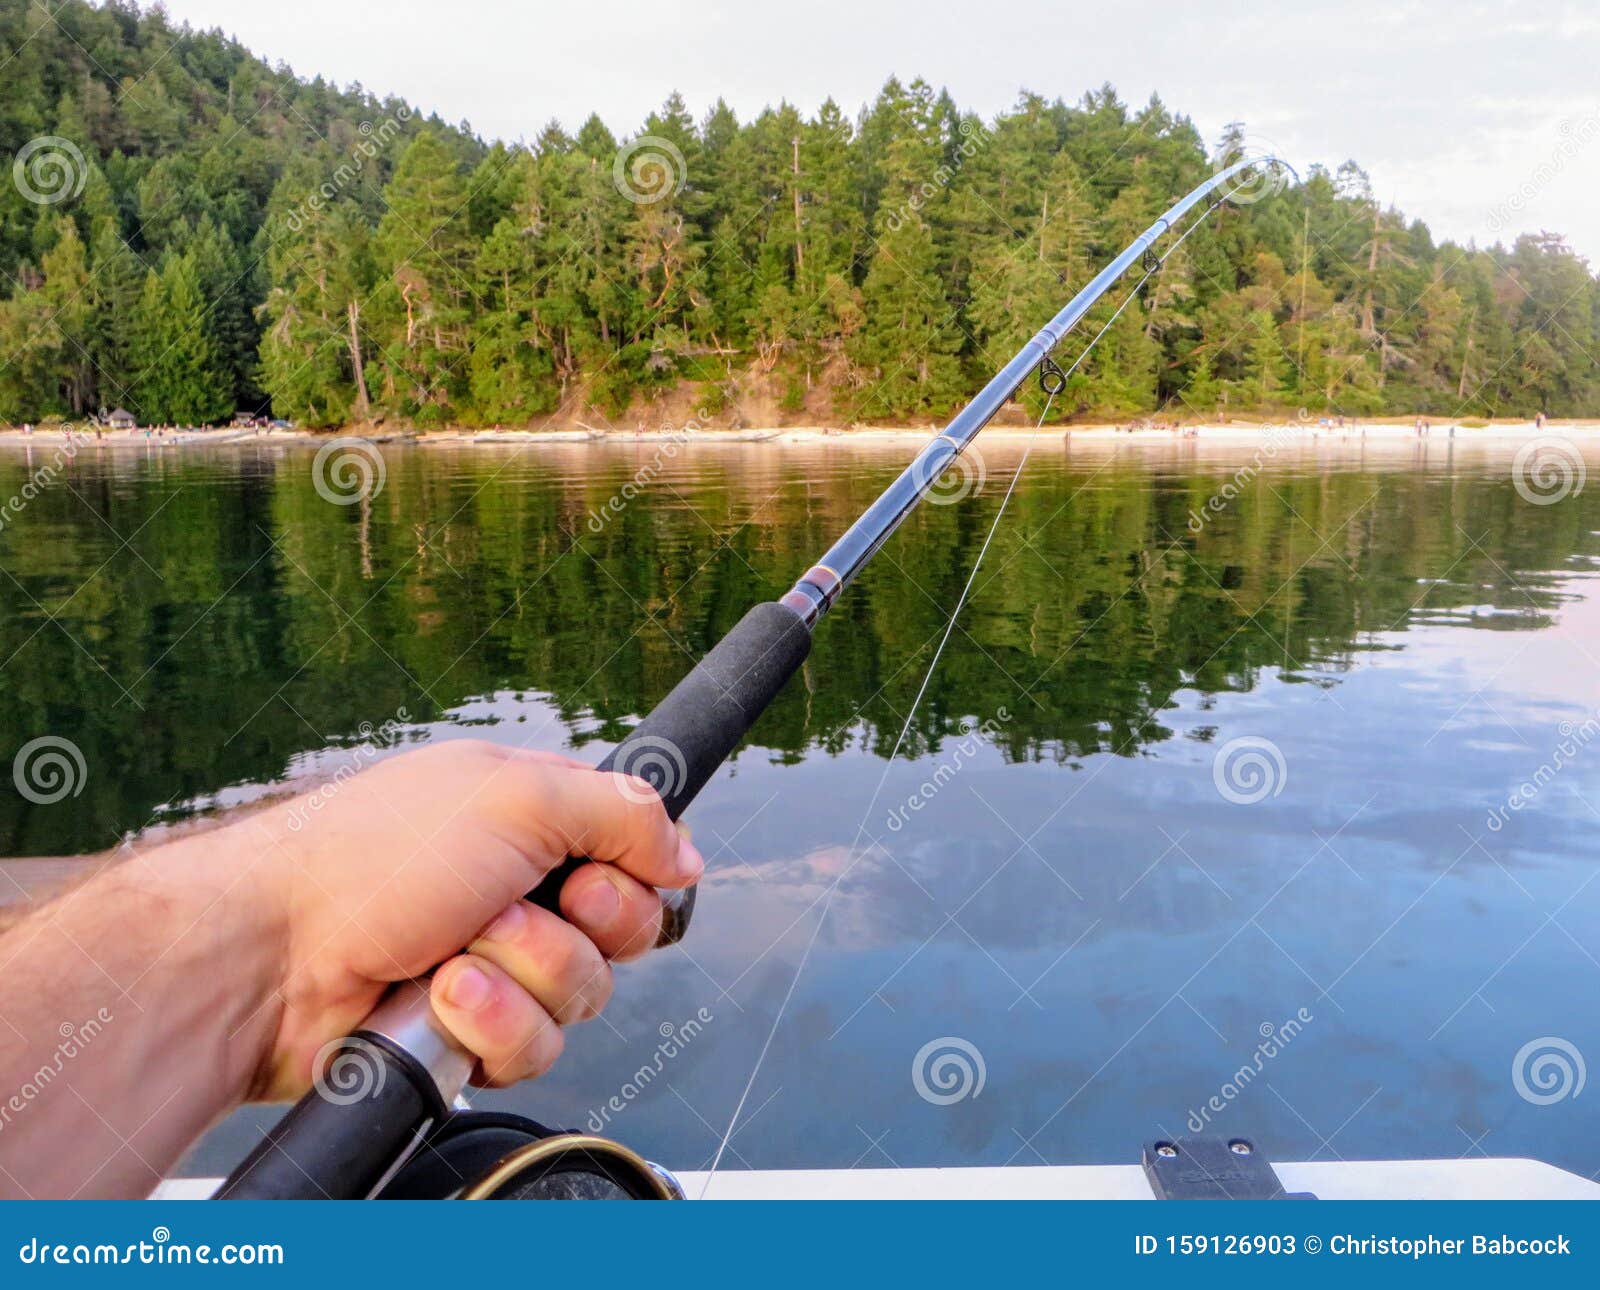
{"points": [[191, 232]]}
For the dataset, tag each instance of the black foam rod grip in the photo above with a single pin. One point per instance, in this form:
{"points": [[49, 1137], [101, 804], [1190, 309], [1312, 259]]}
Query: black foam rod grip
{"points": [[677, 748], [343, 1137]]}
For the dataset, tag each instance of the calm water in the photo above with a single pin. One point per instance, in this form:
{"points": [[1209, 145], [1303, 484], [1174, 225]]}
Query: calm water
{"points": [[1058, 872]]}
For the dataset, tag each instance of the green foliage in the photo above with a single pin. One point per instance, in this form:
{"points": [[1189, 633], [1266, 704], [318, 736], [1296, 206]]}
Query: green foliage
{"points": [[249, 621], [189, 147], [352, 262], [183, 379]]}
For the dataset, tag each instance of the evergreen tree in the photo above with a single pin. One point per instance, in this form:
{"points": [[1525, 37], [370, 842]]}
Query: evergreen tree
{"points": [[423, 308], [179, 377], [115, 282], [910, 335], [338, 258], [314, 339]]}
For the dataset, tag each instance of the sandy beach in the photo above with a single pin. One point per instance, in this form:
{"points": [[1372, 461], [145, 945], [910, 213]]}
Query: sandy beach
{"points": [[1240, 432]]}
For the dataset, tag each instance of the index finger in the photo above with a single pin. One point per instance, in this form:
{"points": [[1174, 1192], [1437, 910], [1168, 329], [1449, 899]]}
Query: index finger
{"points": [[601, 815]]}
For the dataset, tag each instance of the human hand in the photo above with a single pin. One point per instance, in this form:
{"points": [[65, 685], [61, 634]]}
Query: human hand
{"points": [[392, 872]]}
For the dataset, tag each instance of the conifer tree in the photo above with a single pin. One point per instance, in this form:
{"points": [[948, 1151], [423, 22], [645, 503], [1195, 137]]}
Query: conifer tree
{"points": [[179, 378], [423, 307], [336, 257]]}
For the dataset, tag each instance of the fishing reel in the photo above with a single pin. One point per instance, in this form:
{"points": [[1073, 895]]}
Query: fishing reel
{"points": [[493, 1155]]}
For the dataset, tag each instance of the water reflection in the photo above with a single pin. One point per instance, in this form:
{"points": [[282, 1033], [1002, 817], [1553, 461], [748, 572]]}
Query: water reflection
{"points": [[1075, 898], [220, 617]]}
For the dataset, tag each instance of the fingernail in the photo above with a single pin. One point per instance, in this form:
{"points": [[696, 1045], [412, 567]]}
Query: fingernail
{"points": [[468, 989], [508, 925], [691, 864], [597, 904]]}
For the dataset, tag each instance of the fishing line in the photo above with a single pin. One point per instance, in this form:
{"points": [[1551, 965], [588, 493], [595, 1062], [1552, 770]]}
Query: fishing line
{"points": [[323, 1148], [861, 828], [1151, 267]]}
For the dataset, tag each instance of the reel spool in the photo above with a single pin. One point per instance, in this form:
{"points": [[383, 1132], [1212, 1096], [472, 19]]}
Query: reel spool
{"points": [[492, 1155]]}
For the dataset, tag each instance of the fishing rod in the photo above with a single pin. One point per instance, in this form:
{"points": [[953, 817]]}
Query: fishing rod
{"points": [[388, 1088]]}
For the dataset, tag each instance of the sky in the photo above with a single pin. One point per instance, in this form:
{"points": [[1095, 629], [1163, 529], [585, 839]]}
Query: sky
{"points": [[1483, 120]]}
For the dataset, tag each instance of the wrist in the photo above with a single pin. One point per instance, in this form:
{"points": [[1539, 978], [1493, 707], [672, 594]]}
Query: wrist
{"points": [[226, 926], [165, 963]]}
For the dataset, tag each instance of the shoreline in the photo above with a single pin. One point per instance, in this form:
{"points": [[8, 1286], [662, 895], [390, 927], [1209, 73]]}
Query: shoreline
{"points": [[1280, 433]]}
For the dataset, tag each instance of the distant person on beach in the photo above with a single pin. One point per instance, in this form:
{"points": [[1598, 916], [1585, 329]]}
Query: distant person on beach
{"points": [[212, 970]]}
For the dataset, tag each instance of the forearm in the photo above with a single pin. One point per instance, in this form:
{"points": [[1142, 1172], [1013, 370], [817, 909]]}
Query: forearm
{"points": [[135, 1012]]}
